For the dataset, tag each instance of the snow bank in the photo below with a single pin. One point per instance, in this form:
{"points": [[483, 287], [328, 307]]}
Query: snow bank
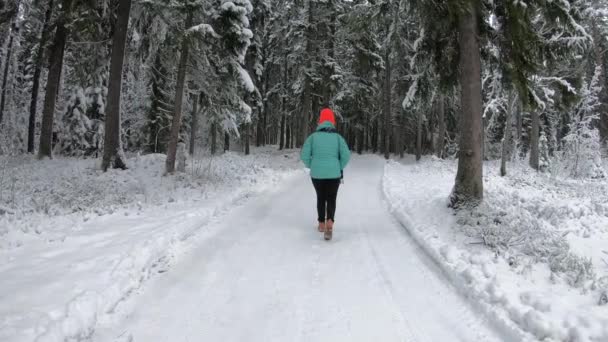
{"points": [[63, 271], [530, 257]]}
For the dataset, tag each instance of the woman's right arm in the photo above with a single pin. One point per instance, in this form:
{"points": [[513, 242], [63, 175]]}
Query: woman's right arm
{"points": [[344, 153]]}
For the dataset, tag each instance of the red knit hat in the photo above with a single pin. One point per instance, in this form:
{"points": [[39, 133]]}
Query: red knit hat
{"points": [[327, 115]]}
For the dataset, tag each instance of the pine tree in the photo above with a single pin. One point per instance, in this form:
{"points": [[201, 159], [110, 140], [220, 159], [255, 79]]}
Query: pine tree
{"points": [[194, 125], [57, 50], [76, 122], [361, 64], [304, 53], [257, 65], [87, 60], [38, 65], [544, 160], [231, 25], [468, 189], [14, 31], [442, 127], [596, 14], [534, 141], [113, 155], [507, 139], [179, 97], [582, 143]]}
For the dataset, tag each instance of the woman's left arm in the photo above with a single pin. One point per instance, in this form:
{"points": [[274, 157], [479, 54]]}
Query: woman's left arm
{"points": [[344, 153], [306, 153]]}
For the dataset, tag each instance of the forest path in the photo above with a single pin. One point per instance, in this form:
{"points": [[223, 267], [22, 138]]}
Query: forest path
{"points": [[267, 275]]}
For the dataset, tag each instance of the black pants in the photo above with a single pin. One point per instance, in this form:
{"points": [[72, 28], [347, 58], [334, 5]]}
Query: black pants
{"points": [[327, 191]]}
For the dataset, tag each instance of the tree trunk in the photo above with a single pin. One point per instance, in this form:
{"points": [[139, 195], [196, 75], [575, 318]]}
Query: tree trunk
{"points": [[305, 115], [370, 138], [360, 140], [194, 124], [519, 126], [419, 118], [468, 188], [387, 104], [213, 138], [507, 140], [375, 136], [534, 141], [287, 134], [53, 80], [179, 97], [112, 151], [366, 136], [7, 63], [247, 129], [442, 128], [265, 122], [599, 48], [259, 130], [44, 36], [291, 132], [401, 135], [292, 129], [282, 131]]}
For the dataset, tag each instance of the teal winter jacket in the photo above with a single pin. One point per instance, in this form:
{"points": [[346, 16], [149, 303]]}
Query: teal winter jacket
{"points": [[325, 153]]}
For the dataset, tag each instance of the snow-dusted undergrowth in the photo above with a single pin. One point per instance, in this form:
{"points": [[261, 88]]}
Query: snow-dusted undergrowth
{"points": [[31, 191], [75, 242], [534, 255], [533, 218], [65, 185]]}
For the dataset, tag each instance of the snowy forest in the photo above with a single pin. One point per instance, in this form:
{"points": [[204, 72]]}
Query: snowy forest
{"points": [[208, 73], [132, 132]]}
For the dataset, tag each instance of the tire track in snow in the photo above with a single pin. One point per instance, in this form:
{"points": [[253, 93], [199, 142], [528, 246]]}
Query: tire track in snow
{"points": [[405, 327], [307, 323]]}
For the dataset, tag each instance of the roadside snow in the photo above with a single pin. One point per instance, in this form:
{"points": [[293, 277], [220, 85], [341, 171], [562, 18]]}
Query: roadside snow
{"points": [[75, 242], [533, 256]]}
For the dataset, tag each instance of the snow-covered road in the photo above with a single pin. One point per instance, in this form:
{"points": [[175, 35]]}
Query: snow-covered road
{"points": [[267, 275]]}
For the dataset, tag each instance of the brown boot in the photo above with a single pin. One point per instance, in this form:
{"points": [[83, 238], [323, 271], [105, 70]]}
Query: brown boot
{"points": [[321, 227], [329, 229]]}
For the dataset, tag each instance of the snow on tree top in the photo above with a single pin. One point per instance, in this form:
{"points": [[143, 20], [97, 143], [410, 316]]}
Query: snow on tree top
{"points": [[246, 80]]}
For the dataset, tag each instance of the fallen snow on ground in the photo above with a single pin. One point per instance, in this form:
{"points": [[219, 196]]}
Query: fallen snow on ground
{"points": [[268, 276], [75, 242], [533, 256]]}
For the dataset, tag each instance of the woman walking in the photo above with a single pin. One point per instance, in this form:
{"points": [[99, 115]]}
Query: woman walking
{"points": [[326, 154]]}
